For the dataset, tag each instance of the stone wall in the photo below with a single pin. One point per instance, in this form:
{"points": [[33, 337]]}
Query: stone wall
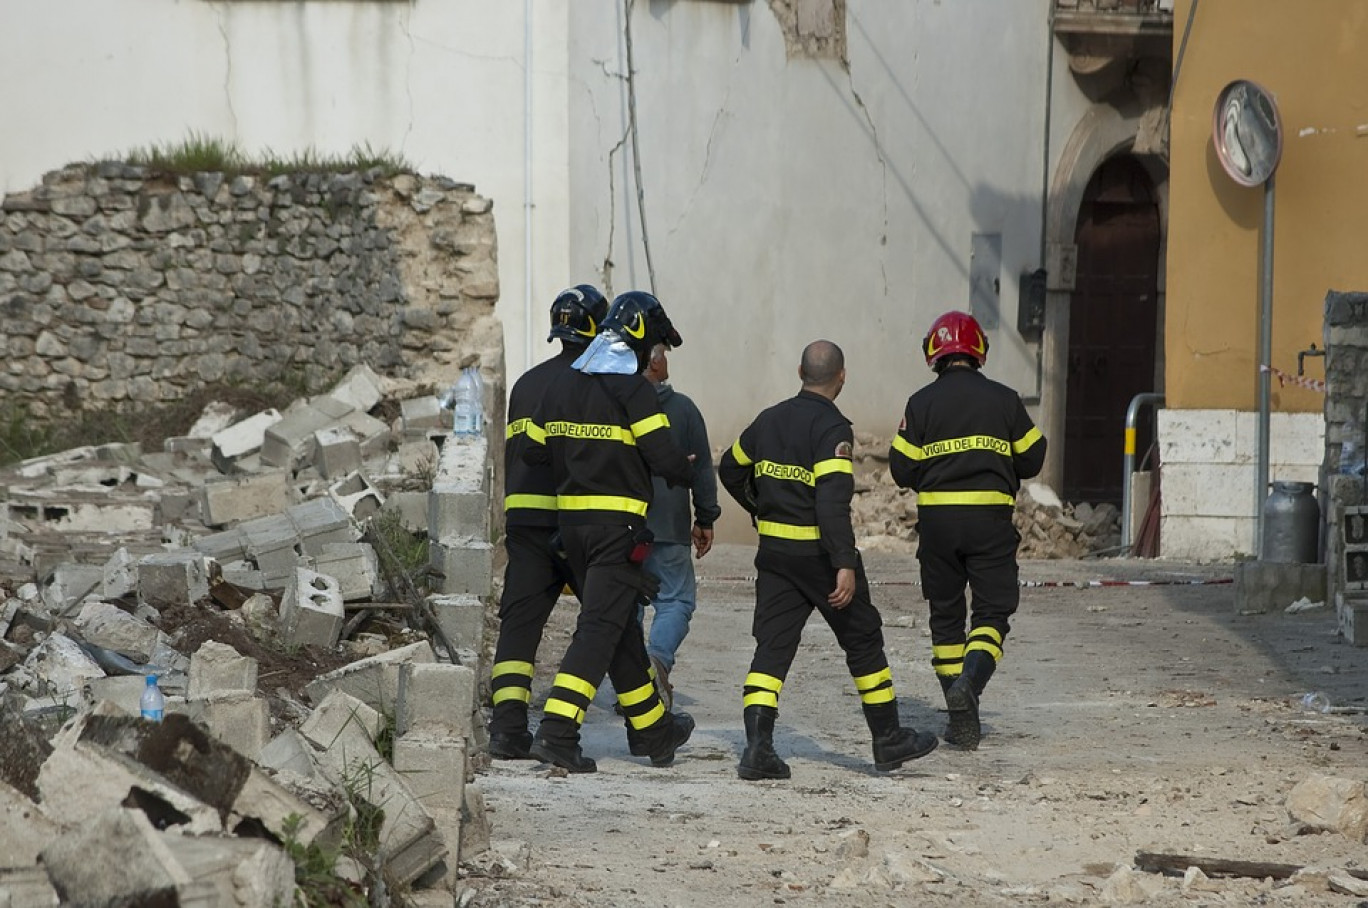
{"points": [[122, 287], [1346, 422]]}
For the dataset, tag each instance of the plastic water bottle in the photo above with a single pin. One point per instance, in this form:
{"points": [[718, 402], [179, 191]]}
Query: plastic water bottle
{"points": [[153, 702], [467, 408], [1316, 702]]}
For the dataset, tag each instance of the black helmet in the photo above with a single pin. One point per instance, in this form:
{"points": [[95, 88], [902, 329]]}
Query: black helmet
{"points": [[577, 314], [641, 322]]}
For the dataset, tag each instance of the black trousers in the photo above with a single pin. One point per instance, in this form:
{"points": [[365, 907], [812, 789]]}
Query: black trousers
{"points": [[533, 580], [977, 549], [607, 638], [787, 590]]}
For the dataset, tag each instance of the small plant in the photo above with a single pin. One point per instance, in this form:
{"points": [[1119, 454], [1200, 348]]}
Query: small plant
{"points": [[316, 880], [198, 153]]}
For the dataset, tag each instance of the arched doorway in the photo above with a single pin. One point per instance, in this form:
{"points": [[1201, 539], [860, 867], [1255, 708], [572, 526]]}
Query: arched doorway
{"points": [[1113, 326]]}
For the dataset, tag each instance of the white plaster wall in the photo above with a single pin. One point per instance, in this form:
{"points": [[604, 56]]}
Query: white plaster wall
{"points": [[1208, 460], [440, 82], [791, 199]]}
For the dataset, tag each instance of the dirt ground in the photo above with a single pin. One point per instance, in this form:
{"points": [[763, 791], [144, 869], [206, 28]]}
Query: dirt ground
{"points": [[1124, 719]]}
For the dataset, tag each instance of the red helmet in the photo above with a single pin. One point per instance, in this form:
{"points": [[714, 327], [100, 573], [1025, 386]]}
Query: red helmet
{"points": [[955, 332]]}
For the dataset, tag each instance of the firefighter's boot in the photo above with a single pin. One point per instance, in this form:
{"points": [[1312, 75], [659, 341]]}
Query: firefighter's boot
{"points": [[660, 741], [759, 761], [509, 738], [962, 700], [560, 747], [893, 744]]}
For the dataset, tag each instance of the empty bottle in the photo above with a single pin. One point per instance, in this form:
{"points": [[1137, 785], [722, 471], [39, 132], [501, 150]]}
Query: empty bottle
{"points": [[153, 702], [1316, 702], [467, 407]]}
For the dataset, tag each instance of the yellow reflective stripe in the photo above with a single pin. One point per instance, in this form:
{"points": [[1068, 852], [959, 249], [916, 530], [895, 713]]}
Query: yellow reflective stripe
{"points": [[565, 710], [1024, 442], [761, 698], [907, 449], [562, 429], [535, 432], [865, 682], [1129, 446], [952, 670], [504, 694], [786, 471], [601, 503], [739, 454], [876, 697], [991, 633], [633, 697], [539, 502], [964, 498], [787, 530], [517, 427], [947, 651], [763, 681], [835, 465], [967, 443], [575, 685], [984, 646], [648, 718], [650, 424], [510, 668]]}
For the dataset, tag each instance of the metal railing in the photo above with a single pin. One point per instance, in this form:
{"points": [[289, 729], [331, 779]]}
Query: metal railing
{"points": [[1128, 461]]}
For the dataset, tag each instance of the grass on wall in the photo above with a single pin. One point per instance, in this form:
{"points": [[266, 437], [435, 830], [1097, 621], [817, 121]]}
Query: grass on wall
{"points": [[198, 153]]}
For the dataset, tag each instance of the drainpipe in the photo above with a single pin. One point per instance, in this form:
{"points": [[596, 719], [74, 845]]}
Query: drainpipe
{"points": [[1128, 462], [527, 185]]}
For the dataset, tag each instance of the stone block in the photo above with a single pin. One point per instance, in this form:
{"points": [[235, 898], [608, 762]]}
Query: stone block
{"points": [[1331, 803], [373, 680], [361, 388], [120, 575], [225, 548], [178, 577], [244, 437], [1353, 619], [1206, 539], [237, 718], [1262, 587], [311, 612], [112, 628], [336, 714], [1208, 490], [435, 698], [233, 499], [69, 583], [322, 521], [61, 668], [474, 823], [274, 546], [355, 567], [336, 452], [290, 441], [461, 618], [1196, 436], [217, 668], [434, 768], [462, 567]]}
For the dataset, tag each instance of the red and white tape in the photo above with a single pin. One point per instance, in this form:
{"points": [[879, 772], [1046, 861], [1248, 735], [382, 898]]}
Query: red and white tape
{"points": [[1314, 384]]}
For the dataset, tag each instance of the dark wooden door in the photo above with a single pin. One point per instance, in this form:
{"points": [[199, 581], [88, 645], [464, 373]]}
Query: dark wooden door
{"points": [[1113, 321]]}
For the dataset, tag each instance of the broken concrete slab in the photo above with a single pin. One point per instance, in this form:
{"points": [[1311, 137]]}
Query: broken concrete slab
{"points": [[217, 668], [374, 680], [111, 627], [239, 719], [178, 577], [227, 500], [59, 668], [290, 442]]}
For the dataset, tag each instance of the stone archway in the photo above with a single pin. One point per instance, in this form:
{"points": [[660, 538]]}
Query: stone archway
{"points": [[1101, 134]]}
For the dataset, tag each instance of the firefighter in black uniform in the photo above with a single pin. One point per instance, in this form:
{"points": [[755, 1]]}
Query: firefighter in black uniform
{"points": [[792, 470], [537, 572], [601, 429], [964, 445]]}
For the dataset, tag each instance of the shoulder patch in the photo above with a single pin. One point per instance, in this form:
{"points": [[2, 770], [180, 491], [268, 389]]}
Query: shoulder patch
{"points": [[845, 450]]}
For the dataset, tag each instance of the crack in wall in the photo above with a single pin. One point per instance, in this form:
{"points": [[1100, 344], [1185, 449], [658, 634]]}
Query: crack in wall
{"points": [[883, 170], [406, 26], [227, 65]]}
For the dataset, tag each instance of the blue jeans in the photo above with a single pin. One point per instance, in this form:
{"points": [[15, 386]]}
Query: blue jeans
{"points": [[674, 604]]}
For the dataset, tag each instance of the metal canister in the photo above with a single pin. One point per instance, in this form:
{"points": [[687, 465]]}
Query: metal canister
{"points": [[1291, 524]]}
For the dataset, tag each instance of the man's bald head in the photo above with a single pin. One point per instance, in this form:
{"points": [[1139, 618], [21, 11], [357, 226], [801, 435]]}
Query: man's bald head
{"points": [[822, 368]]}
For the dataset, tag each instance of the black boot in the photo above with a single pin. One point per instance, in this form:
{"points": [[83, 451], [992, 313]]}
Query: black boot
{"points": [[759, 761], [893, 744], [561, 749], [660, 741], [509, 738], [962, 700]]}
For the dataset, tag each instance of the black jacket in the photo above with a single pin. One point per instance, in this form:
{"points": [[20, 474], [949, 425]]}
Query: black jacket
{"points": [[792, 469], [965, 440], [603, 436], [530, 489]]}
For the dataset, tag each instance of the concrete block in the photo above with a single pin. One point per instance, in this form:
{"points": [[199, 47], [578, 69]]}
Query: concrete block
{"points": [[61, 668], [461, 618], [336, 714], [291, 752], [115, 858], [311, 612], [239, 719], [244, 437], [225, 548], [458, 512], [336, 452], [217, 668], [411, 508], [462, 567], [178, 577], [373, 680], [27, 887], [356, 495], [1208, 490], [435, 698], [1353, 619], [274, 546], [320, 522], [119, 693], [112, 628], [1198, 436], [361, 388], [1262, 587], [69, 583], [1206, 539], [372, 435], [1295, 440], [474, 822], [233, 499], [24, 829], [290, 441], [355, 567], [120, 575], [241, 871], [434, 768], [419, 414]]}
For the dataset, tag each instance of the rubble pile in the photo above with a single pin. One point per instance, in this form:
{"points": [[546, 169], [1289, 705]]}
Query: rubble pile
{"points": [[885, 516], [321, 708]]}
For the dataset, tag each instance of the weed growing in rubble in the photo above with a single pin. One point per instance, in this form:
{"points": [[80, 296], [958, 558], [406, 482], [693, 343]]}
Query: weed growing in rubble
{"points": [[316, 876], [198, 153]]}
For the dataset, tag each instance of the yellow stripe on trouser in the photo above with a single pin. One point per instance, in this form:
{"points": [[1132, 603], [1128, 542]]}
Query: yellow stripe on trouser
{"points": [[985, 640], [555, 706], [638, 696], [521, 691], [876, 688], [948, 660], [766, 692]]}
